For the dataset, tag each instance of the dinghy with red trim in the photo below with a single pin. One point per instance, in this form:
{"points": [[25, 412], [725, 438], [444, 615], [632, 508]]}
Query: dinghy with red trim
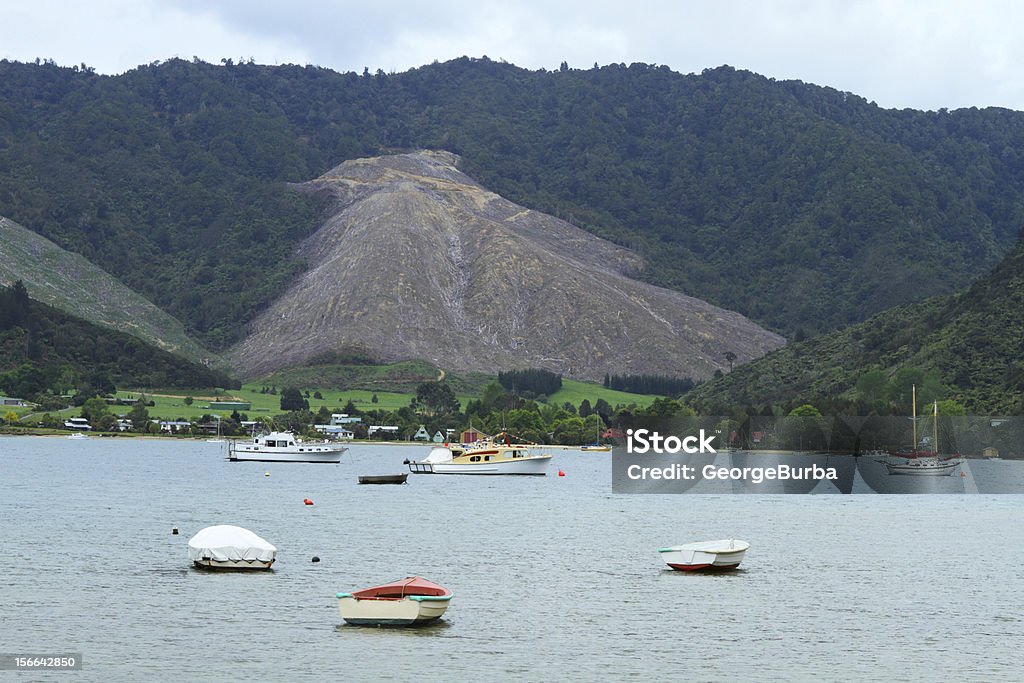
{"points": [[408, 601], [705, 555]]}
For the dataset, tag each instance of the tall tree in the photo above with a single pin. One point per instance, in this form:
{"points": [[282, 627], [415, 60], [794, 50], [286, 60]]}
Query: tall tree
{"points": [[435, 399], [291, 399]]}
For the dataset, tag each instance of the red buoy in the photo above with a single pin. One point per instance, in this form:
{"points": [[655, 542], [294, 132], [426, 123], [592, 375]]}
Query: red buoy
{"points": [[561, 473], [307, 501]]}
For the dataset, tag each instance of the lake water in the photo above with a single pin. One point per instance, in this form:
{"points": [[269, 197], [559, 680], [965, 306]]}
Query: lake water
{"points": [[555, 578]]}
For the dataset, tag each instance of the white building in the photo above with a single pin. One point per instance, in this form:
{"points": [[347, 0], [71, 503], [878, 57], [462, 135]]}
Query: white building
{"points": [[175, 426], [335, 430]]}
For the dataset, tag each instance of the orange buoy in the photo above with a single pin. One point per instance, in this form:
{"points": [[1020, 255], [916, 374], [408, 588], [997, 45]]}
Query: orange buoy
{"points": [[307, 501], [561, 473]]}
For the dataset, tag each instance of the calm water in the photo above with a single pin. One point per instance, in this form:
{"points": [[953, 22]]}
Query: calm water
{"points": [[554, 577]]}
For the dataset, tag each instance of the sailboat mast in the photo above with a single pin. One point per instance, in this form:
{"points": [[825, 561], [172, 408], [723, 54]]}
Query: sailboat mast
{"points": [[936, 428], [913, 408]]}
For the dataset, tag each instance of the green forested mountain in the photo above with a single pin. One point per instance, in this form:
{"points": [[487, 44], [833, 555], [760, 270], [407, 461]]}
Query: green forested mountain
{"points": [[72, 284], [967, 347], [802, 207], [46, 352]]}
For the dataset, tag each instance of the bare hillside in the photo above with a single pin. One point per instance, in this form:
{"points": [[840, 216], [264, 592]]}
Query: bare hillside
{"points": [[417, 261], [70, 283]]}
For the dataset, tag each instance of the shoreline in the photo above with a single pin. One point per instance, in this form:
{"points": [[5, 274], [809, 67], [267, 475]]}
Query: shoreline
{"points": [[202, 439]]}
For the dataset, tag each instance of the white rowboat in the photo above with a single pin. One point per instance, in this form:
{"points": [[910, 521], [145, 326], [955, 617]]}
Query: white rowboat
{"points": [[405, 602], [705, 555]]}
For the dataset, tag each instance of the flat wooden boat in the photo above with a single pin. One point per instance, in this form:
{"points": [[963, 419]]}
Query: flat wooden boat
{"points": [[383, 478]]}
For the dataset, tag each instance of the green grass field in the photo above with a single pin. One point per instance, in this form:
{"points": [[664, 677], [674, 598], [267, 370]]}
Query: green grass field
{"points": [[574, 392], [170, 403]]}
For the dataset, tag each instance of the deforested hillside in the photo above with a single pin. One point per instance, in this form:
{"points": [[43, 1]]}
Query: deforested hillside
{"points": [[418, 261]]}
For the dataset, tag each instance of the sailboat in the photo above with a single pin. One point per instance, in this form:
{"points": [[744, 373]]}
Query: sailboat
{"points": [[218, 439], [919, 462], [597, 445]]}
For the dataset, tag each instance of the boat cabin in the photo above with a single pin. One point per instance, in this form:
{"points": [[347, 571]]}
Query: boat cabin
{"points": [[275, 441], [493, 454]]}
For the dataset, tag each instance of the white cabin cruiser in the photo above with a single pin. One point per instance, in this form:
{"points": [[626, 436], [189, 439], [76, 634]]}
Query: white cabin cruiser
{"points": [[284, 447]]}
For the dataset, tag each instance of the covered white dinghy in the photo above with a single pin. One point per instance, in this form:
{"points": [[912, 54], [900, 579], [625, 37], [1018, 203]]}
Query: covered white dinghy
{"points": [[230, 547]]}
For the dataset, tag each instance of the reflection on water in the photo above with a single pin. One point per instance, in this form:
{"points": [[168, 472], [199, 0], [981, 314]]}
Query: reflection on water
{"points": [[554, 577]]}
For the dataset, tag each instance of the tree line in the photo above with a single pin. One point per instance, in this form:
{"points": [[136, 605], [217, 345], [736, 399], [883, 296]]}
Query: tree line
{"points": [[661, 385], [530, 383]]}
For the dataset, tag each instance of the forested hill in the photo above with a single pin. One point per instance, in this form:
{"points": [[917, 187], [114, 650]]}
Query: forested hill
{"points": [[968, 348], [45, 352], [799, 206], [72, 284]]}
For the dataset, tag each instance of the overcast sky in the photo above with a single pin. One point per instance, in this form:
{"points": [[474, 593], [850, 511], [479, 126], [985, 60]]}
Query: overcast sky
{"points": [[924, 54]]}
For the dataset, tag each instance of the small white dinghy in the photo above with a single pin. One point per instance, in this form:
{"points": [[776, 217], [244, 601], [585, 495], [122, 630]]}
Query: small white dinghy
{"points": [[705, 555], [230, 547]]}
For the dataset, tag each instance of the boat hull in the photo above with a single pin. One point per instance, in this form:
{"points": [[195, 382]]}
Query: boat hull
{"points": [[383, 478], [234, 565], [408, 611], [922, 470], [715, 556], [306, 454], [226, 546], [533, 465]]}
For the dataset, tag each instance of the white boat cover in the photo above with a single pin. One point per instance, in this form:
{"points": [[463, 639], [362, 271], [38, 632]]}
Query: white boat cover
{"points": [[226, 543], [438, 454]]}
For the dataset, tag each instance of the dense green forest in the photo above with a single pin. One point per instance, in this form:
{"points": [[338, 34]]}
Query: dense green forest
{"points": [[805, 208], [530, 383], [650, 384], [967, 348], [45, 353]]}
